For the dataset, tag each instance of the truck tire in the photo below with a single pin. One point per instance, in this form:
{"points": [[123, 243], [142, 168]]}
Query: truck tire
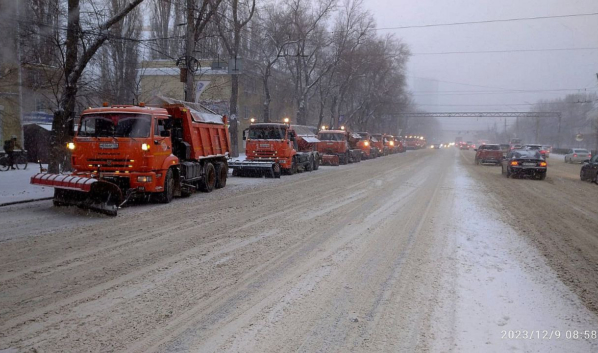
{"points": [[316, 163], [293, 169], [310, 164], [277, 171], [221, 174], [168, 194], [208, 183]]}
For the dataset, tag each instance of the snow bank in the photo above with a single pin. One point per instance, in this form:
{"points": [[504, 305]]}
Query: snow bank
{"points": [[14, 185]]}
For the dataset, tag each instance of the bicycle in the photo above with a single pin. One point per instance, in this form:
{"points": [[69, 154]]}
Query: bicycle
{"points": [[20, 161]]}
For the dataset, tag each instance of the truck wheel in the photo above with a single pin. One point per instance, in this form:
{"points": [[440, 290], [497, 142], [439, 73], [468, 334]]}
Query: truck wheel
{"points": [[168, 194], [221, 175], [310, 164], [316, 163], [349, 157], [277, 171], [508, 173], [209, 180]]}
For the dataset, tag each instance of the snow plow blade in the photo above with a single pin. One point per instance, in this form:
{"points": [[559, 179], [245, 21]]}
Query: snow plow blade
{"points": [[255, 169], [330, 159], [88, 193]]}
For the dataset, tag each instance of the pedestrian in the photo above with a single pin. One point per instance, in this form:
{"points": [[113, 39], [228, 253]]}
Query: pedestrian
{"points": [[9, 148]]}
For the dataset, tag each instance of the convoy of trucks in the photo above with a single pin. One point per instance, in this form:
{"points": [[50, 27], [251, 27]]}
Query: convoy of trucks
{"points": [[121, 153], [339, 147]]}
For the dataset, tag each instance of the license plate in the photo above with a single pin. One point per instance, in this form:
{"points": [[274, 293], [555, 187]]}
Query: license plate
{"points": [[264, 145], [529, 164], [108, 146]]}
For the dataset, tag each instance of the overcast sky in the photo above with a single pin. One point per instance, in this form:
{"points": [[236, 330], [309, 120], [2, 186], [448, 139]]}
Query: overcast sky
{"points": [[549, 70]]}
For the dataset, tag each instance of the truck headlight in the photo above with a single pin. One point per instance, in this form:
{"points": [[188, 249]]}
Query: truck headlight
{"points": [[70, 146], [144, 179], [366, 143], [392, 143], [145, 147]]}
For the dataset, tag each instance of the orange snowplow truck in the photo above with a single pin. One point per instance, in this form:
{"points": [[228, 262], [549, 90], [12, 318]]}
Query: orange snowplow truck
{"points": [[276, 148], [122, 152], [338, 147], [365, 145]]}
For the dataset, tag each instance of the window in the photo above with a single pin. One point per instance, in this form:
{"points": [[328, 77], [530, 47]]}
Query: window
{"points": [[158, 127]]}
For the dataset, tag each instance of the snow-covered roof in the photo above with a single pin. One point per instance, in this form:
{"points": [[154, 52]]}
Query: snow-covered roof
{"points": [[175, 71], [45, 126]]}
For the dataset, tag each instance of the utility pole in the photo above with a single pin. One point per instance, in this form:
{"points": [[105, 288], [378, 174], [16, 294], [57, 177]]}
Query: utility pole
{"points": [[537, 130]]}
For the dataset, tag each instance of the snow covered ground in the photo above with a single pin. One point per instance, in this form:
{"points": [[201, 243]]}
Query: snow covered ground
{"points": [[14, 185], [500, 294]]}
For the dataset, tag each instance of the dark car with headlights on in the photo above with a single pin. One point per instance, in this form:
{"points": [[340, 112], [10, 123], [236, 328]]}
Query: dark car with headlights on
{"points": [[589, 170], [524, 163]]}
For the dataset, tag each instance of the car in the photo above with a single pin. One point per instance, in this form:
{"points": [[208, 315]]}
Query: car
{"points": [[463, 145], [589, 170], [489, 153], [547, 149], [516, 147], [524, 163], [505, 147], [435, 146], [577, 155], [536, 148]]}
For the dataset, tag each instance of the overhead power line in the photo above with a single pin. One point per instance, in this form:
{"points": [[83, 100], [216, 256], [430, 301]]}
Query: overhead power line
{"points": [[506, 51], [489, 21]]}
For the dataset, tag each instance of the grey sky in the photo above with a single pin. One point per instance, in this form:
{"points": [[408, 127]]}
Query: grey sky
{"points": [[517, 71]]}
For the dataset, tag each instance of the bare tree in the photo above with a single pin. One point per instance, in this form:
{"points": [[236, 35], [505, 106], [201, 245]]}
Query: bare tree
{"points": [[308, 29], [230, 32], [80, 47], [119, 58]]}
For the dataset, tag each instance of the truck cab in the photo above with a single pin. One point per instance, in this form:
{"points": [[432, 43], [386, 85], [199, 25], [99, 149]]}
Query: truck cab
{"points": [[365, 145], [127, 145], [378, 143]]}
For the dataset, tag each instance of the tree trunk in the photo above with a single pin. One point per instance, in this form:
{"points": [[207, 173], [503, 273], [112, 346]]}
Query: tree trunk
{"points": [[59, 133], [267, 100]]}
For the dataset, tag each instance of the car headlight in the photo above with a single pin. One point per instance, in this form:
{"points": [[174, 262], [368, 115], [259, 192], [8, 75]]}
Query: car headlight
{"points": [[145, 147]]}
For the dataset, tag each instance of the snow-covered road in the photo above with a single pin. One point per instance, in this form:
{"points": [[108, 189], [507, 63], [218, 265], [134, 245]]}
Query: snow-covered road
{"points": [[420, 251]]}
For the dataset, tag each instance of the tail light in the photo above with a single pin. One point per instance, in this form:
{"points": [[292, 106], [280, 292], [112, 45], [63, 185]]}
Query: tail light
{"points": [[575, 155], [514, 163], [543, 164], [543, 152]]}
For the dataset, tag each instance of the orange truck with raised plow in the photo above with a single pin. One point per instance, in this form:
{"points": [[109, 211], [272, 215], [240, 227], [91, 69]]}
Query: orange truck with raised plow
{"points": [[275, 148], [122, 152], [338, 147]]}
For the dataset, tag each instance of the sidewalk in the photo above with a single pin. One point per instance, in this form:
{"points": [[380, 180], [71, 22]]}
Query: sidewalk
{"points": [[14, 185]]}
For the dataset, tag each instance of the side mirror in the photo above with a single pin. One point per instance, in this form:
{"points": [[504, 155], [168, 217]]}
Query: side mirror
{"points": [[165, 133]]}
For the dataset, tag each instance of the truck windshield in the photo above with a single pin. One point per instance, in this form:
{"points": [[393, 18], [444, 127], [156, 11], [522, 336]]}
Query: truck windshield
{"points": [[331, 137], [266, 133], [115, 125]]}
